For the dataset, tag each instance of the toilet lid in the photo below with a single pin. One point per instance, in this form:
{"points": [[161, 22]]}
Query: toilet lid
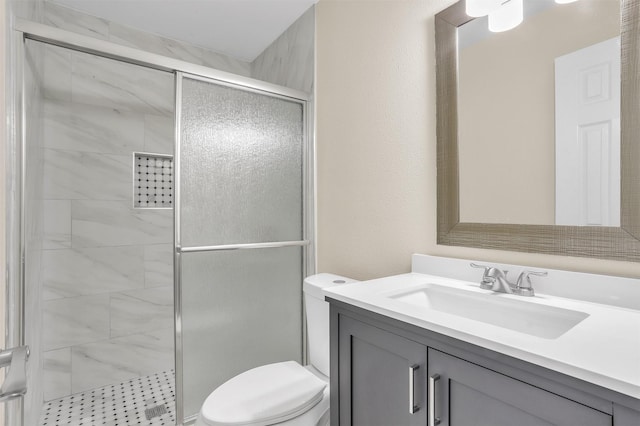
{"points": [[263, 396]]}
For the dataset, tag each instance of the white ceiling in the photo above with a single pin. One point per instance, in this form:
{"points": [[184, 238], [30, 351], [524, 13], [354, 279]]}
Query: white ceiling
{"points": [[238, 28]]}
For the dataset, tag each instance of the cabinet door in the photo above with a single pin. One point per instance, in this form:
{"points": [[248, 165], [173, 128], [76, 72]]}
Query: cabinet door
{"points": [[467, 394], [623, 416], [379, 373]]}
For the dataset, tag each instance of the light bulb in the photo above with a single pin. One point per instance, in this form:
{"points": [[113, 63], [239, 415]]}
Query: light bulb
{"points": [[507, 17], [477, 8]]}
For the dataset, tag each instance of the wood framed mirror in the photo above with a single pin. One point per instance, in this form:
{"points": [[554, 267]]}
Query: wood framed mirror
{"points": [[619, 242]]}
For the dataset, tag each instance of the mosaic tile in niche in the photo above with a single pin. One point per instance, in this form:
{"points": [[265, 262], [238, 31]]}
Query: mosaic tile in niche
{"points": [[153, 181]]}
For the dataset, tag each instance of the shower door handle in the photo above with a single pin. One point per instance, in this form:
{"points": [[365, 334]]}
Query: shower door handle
{"points": [[15, 381]]}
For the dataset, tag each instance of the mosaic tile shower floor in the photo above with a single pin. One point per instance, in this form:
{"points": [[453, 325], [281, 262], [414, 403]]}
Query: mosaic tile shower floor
{"points": [[146, 400]]}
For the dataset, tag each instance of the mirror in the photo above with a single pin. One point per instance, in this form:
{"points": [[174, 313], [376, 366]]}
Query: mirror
{"points": [[537, 130], [564, 60]]}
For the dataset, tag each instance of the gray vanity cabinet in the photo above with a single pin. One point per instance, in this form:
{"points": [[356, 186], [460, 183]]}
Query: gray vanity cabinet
{"points": [[382, 369], [467, 394], [376, 369]]}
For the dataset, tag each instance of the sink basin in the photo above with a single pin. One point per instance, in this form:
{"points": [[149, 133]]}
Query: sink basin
{"points": [[547, 322]]}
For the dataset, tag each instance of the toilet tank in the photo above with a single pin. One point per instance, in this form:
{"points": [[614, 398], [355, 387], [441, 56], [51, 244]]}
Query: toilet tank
{"points": [[317, 311]]}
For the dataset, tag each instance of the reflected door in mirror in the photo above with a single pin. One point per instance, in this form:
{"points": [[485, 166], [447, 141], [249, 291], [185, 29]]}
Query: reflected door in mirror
{"points": [[588, 136]]}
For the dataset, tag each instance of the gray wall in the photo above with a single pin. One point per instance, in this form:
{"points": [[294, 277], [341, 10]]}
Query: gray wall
{"points": [[78, 22], [289, 60], [33, 198], [33, 189], [106, 267], [33, 213]]}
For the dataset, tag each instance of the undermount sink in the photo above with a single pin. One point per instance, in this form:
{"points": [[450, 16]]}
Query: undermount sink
{"points": [[543, 321]]}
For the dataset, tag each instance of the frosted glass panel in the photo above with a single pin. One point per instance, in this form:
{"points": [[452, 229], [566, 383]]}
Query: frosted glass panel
{"points": [[241, 166], [241, 309]]}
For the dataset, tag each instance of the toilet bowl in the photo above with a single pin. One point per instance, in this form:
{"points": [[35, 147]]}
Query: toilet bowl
{"points": [[285, 393]]}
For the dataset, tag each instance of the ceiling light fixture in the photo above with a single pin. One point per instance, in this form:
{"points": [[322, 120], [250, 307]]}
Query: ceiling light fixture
{"points": [[477, 8], [507, 16], [565, 1]]}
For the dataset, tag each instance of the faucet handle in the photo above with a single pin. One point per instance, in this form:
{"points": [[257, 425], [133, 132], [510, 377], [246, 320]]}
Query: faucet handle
{"points": [[486, 282], [485, 267], [475, 265], [523, 285]]}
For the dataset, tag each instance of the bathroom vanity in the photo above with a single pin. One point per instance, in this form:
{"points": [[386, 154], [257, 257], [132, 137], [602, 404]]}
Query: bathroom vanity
{"points": [[431, 347]]}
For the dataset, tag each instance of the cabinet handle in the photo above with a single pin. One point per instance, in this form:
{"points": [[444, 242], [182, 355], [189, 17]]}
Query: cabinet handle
{"points": [[412, 389], [433, 420]]}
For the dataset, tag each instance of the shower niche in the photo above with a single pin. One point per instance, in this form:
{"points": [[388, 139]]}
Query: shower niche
{"points": [[153, 183]]}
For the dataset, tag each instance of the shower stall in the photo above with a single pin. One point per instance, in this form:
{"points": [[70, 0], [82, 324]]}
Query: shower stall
{"points": [[162, 213]]}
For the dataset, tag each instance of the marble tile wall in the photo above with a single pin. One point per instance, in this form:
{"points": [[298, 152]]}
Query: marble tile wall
{"points": [[289, 60], [27, 9], [34, 226], [71, 20], [106, 268]]}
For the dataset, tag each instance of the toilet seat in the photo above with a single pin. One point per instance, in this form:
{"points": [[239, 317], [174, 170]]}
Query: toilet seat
{"points": [[263, 396]]}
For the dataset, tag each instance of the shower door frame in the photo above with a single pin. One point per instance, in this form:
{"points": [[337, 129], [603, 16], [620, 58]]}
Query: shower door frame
{"points": [[24, 30], [179, 249]]}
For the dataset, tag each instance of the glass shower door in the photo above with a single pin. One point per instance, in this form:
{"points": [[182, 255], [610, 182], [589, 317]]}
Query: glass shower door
{"points": [[239, 235]]}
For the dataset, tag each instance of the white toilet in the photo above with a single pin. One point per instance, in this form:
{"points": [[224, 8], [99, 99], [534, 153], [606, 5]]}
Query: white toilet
{"points": [[284, 393]]}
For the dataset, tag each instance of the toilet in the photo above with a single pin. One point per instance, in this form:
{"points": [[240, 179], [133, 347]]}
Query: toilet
{"points": [[284, 393]]}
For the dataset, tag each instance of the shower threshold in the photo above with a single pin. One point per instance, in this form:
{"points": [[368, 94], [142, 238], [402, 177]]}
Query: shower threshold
{"points": [[148, 400]]}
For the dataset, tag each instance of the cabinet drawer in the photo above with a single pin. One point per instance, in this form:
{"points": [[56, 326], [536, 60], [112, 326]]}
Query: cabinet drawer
{"points": [[467, 394]]}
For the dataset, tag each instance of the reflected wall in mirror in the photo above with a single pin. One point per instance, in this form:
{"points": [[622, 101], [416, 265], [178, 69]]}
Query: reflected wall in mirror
{"points": [[531, 137], [539, 116]]}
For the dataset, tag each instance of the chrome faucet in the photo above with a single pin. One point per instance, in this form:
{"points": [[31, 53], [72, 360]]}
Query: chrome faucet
{"points": [[496, 280]]}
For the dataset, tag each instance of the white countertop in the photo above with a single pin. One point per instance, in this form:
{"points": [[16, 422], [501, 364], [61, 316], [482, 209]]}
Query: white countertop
{"points": [[603, 349]]}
